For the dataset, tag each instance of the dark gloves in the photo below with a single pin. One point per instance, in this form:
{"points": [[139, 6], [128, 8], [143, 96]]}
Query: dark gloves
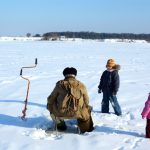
{"points": [[114, 93], [47, 106], [99, 91]]}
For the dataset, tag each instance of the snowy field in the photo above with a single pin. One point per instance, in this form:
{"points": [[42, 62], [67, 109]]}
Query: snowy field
{"points": [[89, 57]]}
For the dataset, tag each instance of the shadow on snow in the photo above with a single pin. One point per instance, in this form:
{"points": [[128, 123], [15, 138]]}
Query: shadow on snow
{"points": [[32, 122], [110, 130], [22, 102], [36, 122]]}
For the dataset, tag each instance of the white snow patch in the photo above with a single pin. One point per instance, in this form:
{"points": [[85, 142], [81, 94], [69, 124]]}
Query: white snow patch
{"points": [[89, 57]]}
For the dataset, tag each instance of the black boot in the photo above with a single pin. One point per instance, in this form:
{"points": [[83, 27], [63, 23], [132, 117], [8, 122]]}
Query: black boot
{"points": [[61, 126]]}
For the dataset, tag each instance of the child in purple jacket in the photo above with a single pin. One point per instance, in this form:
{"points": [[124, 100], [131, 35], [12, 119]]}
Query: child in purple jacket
{"points": [[146, 114]]}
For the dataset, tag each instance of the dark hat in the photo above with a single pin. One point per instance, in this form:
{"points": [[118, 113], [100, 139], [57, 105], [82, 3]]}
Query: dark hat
{"points": [[70, 71]]}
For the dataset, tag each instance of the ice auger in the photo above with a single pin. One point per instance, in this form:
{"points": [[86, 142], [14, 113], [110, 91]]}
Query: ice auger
{"points": [[26, 100]]}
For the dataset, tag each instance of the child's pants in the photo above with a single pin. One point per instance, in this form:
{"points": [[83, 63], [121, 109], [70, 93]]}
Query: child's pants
{"points": [[148, 128], [109, 97]]}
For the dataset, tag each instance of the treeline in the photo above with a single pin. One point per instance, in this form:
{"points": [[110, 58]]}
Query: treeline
{"points": [[94, 35]]}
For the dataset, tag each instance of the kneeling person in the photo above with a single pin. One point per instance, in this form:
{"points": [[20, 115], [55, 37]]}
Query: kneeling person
{"points": [[69, 100]]}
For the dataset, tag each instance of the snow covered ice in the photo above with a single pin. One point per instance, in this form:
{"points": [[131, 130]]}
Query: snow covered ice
{"points": [[89, 57]]}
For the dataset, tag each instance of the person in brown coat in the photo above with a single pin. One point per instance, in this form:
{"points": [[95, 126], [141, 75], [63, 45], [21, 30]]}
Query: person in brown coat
{"points": [[69, 100]]}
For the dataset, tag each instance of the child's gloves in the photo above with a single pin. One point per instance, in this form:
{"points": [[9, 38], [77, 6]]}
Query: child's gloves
{"points": [[99, 91], [114, 93]]}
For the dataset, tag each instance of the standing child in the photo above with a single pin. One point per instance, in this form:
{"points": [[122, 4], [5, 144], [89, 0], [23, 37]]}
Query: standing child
{"points": [[109, 85], [146, 114]]}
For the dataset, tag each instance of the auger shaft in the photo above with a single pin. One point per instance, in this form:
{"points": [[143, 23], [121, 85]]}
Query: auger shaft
{"points": [[28, 87]]}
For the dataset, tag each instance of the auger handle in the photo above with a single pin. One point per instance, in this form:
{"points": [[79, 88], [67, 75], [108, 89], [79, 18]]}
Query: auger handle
{"points": [[36, 62], [21, 72]]}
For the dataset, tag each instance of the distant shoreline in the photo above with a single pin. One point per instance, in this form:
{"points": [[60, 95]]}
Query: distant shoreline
{"points": [[60, 39], [84, 35]]}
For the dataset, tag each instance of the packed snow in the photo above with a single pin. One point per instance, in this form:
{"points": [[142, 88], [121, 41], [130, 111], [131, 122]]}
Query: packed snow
{"points": [[89, 57], [21, 38]]}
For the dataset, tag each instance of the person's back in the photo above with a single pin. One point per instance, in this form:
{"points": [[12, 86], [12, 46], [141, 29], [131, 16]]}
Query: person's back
{"points": [[67, 93], [60, 106]]}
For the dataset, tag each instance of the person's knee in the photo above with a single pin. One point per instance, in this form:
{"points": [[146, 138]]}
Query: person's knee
{"points": [[85, 125]]}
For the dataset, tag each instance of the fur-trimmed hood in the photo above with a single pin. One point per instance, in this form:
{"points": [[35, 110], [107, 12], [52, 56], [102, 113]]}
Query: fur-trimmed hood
{"points": [[117, 67]]}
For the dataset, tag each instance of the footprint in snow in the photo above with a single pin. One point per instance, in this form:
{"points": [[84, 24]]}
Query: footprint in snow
{"points": [[127, 140], [136, 143], [119, 148]]}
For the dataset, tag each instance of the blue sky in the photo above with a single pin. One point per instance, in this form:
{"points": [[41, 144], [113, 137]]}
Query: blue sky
{"points": [[18, 17]]}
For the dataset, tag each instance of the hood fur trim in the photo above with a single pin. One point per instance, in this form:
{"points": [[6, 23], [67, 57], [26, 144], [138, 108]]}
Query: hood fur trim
{"points": [[117, 67]]}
